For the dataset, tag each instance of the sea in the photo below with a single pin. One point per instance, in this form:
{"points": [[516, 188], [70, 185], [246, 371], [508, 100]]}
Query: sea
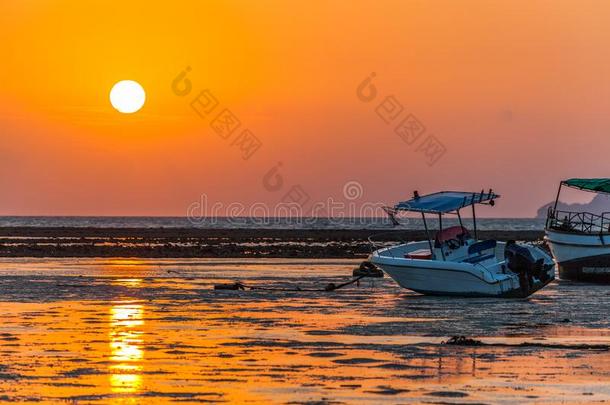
{"points": [[515, 224]]}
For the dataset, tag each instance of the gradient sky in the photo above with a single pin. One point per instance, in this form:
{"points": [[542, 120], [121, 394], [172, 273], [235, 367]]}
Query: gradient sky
{"points": [[518, 92]]}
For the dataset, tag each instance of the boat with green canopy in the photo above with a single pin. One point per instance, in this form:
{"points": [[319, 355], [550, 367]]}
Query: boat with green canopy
{"points": [[579, 240]]}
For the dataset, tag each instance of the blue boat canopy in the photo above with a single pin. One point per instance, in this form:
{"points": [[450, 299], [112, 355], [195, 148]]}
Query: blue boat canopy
{"points": [[445, 201]]}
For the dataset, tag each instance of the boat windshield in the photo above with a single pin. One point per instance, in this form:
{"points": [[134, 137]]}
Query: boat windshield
{"points": [[454, 233]]}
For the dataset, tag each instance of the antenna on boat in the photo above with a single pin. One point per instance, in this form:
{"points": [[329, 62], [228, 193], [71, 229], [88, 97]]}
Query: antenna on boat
{"points": [[474, 216], [392, 215]]}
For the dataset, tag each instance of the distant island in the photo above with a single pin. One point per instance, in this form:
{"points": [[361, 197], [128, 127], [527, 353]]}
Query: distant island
{"points": [[599, 204]]}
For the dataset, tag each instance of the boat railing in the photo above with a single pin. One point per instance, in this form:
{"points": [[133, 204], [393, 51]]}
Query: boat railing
{"points": [[381, 241], [578, 222]]}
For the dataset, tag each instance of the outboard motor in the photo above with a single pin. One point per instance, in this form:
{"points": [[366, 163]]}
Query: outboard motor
{"points": [[521, 261]]}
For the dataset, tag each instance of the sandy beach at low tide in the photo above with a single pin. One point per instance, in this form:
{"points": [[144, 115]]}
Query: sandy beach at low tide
{"points": [[155, 331]]}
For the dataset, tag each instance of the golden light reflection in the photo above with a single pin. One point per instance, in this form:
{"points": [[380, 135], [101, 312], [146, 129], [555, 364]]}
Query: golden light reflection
{"points": [[126, 347], [129, 282], [124, 262]]}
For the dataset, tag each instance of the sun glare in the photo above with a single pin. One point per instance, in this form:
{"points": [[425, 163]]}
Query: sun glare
{"points": [[127, 96]]}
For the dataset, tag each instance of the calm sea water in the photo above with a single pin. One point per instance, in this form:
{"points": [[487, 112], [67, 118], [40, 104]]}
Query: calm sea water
{"points": [[518, 224]]}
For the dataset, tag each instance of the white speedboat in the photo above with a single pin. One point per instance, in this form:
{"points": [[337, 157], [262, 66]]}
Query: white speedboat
{"points": [[456, 263], [580, 241]]}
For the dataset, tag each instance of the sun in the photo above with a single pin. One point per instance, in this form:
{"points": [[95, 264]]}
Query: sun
{"points": [[127, 96]]}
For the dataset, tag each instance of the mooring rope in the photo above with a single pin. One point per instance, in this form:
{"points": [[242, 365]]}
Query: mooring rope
{"points": [[241, 286], [365, 269]]}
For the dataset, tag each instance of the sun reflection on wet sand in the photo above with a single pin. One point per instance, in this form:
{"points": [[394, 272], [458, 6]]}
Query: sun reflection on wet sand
{"points": [[126, 353]]}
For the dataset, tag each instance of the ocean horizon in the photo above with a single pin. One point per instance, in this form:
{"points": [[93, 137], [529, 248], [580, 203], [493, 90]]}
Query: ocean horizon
{"points": [[513, 224]]}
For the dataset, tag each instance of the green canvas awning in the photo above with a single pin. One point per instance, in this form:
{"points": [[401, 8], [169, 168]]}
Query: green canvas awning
{"points": [[596, 185]]}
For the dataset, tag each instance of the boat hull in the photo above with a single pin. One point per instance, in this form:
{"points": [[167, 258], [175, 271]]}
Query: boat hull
{"points": [[581, 257], [447, 282], [458, 282]]}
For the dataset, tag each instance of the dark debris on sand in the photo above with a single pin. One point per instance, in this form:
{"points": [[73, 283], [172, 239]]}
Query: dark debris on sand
{"points": [[462, 341]]}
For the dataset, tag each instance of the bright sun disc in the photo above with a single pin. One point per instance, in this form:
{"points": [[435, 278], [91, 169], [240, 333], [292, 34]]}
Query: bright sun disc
{"points": [[127, 96]]}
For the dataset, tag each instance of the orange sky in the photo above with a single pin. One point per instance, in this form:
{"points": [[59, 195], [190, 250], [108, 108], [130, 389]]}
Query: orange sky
{"points": [[517, 91]]}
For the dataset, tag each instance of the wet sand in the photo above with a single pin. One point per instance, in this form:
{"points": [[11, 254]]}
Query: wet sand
{"points": [[155, 331], [191, 242]]}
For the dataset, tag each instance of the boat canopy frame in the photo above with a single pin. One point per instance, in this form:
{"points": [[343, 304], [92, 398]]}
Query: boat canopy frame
{"points": [[601, 185], [580, 221], [446, 202]]}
